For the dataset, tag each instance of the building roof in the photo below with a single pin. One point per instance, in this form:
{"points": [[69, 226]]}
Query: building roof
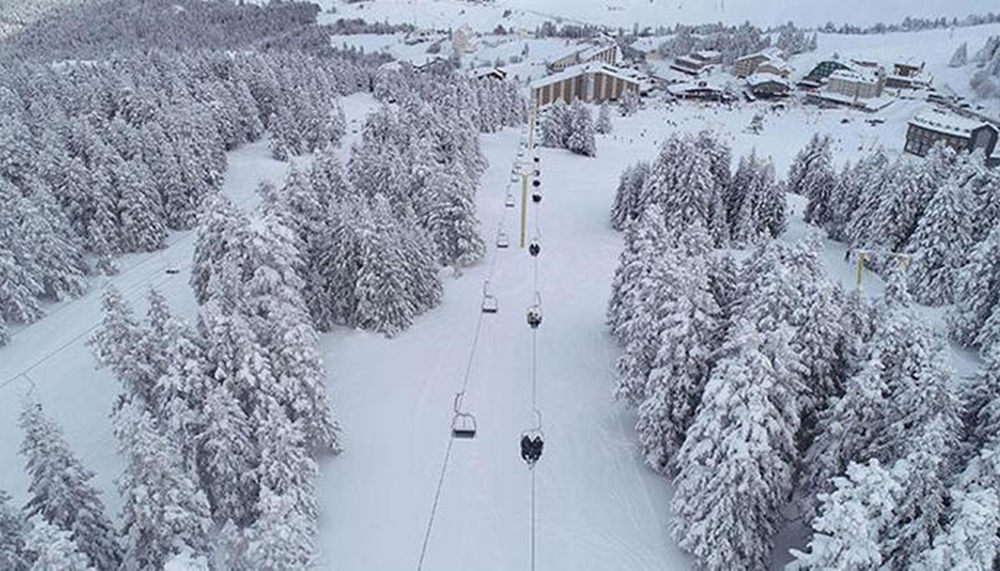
{"points": [[762, 78], [488, 71], [854, 76], [773, 54], [947, 123], [694, 86], [595, 50], [685, 61], [583, 68], [708, 54]]}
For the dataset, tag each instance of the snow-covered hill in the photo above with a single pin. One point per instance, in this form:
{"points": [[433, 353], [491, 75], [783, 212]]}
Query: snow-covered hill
{"points": [[484, 16]]}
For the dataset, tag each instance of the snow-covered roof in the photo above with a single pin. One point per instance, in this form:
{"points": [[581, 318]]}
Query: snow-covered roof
{"points": [[595, 50], [488, 71], [948, 123], [690, 86], [772, 53], [582, 68], [762, 78], [853, 75], [685, 61], [708, 54]]}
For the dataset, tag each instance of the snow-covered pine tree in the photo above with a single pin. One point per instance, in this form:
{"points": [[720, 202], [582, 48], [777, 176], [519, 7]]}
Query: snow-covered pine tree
{"points": [[282, 535], [384, 303], [221, 228], [688, 339], [121, 344], [853, 520], [961, 56], [452, 221], [61, 491], [627, 206], [971, 539], [554, 122], [981, 400], [940, 245], [637, 295], [52, 549], [978, 293], [603, 125], [143, 227], [816, 183], [629, 102], [729, 498], [13, 537], [163, 512], [817, 148], [580, 139]]}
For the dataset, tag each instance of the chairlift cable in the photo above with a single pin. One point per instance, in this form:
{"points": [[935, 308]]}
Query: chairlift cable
{"points": [[459, 397]]}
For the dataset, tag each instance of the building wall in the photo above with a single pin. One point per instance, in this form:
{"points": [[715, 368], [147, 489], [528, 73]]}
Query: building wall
{"points": [[747, 66], [860, 89], [591, 88], [919, 141]]}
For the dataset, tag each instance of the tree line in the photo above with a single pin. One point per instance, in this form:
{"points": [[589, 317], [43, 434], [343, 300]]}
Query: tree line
{"points": [[104, 158], [763, 390], [936, 217]]}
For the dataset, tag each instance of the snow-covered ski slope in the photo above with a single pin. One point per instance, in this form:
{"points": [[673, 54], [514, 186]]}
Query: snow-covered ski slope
{"points": [[484, 16]]}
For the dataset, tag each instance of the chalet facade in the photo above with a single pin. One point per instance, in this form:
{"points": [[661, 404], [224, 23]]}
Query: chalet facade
{"points": [[591, 83], [934, 126]]}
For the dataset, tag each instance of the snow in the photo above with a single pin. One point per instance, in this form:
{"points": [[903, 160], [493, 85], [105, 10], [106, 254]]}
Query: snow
{"points": [[598, 507], [527, 14], [944, 122]]}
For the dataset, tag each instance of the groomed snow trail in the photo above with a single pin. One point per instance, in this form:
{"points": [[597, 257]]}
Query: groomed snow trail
{"points": [[597, 507]]}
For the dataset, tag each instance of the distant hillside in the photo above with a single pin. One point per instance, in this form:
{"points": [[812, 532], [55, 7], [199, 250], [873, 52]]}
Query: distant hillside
{"points": [[624, 13], [16, 14]]}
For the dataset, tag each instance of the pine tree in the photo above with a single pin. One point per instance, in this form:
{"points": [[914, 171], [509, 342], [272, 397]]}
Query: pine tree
{"points": [[940, 245], [452, 220], [580, 128], [961, 56], [53, 549], [61, 490], [121, 344], [688, 339], [603, 125], [163, 512], [978, 292], [972, 537], [854, 518], [143, 227], [554, 124], [13, 537], [737, 462], [627, 206]]}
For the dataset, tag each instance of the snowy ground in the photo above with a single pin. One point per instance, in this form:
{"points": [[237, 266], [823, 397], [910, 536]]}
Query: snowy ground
{"points": [[598, 508]]}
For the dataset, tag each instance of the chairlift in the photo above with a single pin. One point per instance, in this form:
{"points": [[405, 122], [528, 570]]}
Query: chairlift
{"points": [[534, 248], [509, 201], [536, 196], [490, 304], [502, 241], [533, 442], [536, 159], [463, 425], [535, 312]]}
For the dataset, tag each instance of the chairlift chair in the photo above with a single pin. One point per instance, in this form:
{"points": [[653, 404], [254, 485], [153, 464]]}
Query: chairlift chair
{"points": [[536, 196], [172, 271], [509, 201], [502, 241], [535, 312], [533, 442], [490, 304], [463, 425], [534, 248]]}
